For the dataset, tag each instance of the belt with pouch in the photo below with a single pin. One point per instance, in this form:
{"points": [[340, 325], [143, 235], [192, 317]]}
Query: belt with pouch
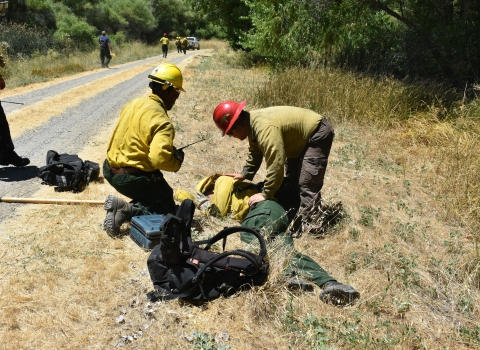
{"points": [[125, 170]]}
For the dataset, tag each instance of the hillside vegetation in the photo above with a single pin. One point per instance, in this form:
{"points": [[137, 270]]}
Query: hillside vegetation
{"points": [[404, 164]]}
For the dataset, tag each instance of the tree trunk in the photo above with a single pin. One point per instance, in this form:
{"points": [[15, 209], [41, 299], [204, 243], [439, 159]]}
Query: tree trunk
{"points": [[465, 10], [448, 11], [441, 61]]}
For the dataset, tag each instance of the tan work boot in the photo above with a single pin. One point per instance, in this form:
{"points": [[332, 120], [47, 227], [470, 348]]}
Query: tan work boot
{"points": [[118, 212], [338, 293]]}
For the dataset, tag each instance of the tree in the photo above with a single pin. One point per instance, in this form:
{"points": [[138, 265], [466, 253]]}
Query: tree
{"points": [[232, 15], [443, 27]]}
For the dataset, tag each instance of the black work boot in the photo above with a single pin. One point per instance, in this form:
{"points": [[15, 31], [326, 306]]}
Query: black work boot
{"points": [[338, 293], [294, 283], [118, 212], [14, 159]]}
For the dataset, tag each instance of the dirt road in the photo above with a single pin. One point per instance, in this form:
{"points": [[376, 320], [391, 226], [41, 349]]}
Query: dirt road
{"points": [[63, 115]]}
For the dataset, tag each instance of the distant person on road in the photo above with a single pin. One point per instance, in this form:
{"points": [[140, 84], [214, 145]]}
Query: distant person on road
{"points": [[141, 148], [164, 41], [294, 141], [105, 48], [178, 45], [184, 44], [7, 154]]}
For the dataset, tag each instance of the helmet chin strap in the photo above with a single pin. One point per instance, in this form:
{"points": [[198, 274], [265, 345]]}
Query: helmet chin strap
{"points": [[166, 84], [155, 86]]}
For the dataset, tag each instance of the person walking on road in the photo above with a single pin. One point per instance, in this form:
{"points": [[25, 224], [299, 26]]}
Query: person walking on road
{"points": [[140, 148], [164, 41], [178, 45], [105, 48], [184, 44], [8, 156], [294, 141]]}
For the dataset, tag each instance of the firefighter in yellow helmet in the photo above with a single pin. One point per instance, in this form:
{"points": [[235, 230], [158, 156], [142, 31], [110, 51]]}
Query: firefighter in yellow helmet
{"points": [[184, 44], [140, 148], [178, 45]]}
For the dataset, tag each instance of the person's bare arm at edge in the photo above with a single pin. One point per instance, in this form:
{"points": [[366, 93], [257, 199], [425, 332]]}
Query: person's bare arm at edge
{"points": [[235, 176]]}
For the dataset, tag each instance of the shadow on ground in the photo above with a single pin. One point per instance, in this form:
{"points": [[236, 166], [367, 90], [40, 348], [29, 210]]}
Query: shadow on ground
{"points": [[13, 174]]}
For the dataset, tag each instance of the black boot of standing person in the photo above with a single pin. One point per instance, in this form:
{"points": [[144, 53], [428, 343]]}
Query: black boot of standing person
{"points": [[7, 154]]}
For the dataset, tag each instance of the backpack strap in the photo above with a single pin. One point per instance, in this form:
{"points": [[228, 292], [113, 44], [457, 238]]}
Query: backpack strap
{"points": [[249, 264], [229, 262], [52, 157], [253, 268], [76, 177], [231, 230], [176, 240], [185, 212]]}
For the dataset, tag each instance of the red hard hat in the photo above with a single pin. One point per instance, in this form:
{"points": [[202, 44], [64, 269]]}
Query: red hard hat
{"points": [[226, 114]]}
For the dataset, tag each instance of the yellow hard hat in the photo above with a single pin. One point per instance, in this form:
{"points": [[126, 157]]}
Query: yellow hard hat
{"points": [[167, 74]]}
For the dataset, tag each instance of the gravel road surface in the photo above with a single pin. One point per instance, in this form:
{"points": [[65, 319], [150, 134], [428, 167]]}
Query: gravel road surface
{"points": [[69, 131]]}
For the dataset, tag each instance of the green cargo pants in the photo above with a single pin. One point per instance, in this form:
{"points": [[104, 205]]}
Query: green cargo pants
{"points": [[269, 216], [150, 193]]}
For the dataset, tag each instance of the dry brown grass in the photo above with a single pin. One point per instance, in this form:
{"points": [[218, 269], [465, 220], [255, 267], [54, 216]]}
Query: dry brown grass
{"points": [[63, 281]]}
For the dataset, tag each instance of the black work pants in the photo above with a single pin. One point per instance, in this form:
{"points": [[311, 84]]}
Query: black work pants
{"points": [[105, 54], [164, 50], [150, 193], [6, 143]]}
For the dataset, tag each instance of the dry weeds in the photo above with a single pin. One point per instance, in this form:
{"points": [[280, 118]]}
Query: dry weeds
{"points": [[64, 282]]}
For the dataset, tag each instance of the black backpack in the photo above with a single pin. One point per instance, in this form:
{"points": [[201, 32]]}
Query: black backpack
{"points": [[68, 172], [180, 268]]}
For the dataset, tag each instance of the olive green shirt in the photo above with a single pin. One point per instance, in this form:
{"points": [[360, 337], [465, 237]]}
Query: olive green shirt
{"points": [[277, 133]]}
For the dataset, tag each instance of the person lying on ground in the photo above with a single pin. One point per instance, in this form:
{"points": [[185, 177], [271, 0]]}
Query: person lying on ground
{"points": [[270, 219], [225, 196]]}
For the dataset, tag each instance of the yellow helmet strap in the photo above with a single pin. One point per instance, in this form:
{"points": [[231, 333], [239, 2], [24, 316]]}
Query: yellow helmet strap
{"points": [[165, 83]]}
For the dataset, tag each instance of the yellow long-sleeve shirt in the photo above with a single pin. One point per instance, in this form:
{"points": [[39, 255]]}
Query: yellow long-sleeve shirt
{"points": [[277, 133], [143, 137], [164, 41]]}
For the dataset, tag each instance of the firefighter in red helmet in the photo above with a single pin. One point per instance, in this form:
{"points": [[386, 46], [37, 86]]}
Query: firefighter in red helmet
{"points": [[164, 41], [294, 141]]}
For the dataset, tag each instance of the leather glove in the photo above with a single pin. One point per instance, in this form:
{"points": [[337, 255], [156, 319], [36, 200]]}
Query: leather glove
{"points": [[178, 154]]}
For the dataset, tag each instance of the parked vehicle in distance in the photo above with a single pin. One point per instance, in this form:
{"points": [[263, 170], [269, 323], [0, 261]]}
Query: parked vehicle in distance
{"points": [[193, 43]]}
